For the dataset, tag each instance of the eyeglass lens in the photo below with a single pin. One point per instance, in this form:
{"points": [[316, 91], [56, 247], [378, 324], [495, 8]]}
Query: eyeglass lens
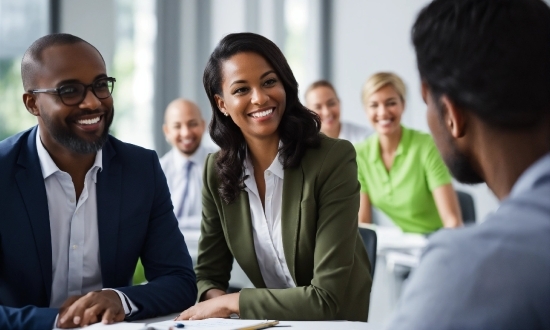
{"points": [[74, 93]]}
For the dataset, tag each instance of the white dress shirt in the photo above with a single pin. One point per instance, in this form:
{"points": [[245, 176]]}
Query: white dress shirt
{"points": [[174, 164], [267, 234], [76, 267]]}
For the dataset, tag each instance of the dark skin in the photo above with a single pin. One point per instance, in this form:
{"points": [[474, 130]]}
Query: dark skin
{"points": [[250, 86], [488, 146], [62, 64]]}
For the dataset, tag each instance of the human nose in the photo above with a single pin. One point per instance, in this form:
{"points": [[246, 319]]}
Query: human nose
{"points": [[381, 110], [184, 131], [259, 97], [90, 101]]}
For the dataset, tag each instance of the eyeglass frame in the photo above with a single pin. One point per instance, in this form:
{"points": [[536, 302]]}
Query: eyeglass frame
{"points": [[55, 91]]}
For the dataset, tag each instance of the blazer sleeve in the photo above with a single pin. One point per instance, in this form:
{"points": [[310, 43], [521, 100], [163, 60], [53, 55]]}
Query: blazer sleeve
{"points": [[28, 317], [215, 259], [165, 258], [337, 205]]}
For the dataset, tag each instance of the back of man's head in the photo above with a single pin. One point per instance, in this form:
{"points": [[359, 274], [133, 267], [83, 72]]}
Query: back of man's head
{"points": [[489, 57], [33, 56]]}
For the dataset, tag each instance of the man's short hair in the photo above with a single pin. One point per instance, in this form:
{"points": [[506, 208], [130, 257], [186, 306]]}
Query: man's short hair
{"points": [[489, 57], [33, 56]]}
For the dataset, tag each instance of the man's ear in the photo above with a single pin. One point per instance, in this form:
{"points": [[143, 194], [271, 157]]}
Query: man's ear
{"points": [[454, 117], [30, 103]]}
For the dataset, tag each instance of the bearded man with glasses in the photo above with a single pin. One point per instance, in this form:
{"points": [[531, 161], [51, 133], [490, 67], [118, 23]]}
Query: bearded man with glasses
{"points": [[79, 207]]}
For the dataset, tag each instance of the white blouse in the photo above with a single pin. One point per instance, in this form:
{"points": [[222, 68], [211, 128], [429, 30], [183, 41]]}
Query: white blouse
{"points": [[268, 239]]}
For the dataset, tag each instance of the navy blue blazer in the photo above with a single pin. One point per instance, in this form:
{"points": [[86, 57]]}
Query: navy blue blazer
{"points": [[135, 219]]}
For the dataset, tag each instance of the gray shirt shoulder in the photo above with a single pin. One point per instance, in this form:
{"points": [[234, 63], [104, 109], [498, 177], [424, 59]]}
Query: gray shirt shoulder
{"points": [[492, 276]]}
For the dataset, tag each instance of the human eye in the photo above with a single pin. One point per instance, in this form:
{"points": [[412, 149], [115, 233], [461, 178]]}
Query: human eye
{"points": [[70, 90], [270, 81], [240, 90], [101, 84]]}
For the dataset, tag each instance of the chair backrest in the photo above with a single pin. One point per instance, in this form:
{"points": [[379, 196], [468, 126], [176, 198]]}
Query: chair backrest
{"points": [[467, 207], [370, 241]]}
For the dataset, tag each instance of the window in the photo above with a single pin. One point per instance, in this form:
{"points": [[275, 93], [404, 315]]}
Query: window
{"points": [[16, 35]]}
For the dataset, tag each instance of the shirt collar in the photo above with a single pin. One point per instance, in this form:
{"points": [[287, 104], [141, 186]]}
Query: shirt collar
{"points": [[276, 167], [402, 147], [181, 160], [530, 177], [49, 167]]}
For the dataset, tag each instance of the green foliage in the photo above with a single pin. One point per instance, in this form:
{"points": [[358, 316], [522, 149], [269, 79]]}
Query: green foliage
{"points": [[13, 116]]}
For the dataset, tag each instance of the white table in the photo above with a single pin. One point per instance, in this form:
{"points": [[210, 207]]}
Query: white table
{"points": [[299, 325]]}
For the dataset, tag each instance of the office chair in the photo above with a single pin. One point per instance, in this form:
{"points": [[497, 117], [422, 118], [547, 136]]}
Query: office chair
{"points": [[369, 240], [467, 207]]}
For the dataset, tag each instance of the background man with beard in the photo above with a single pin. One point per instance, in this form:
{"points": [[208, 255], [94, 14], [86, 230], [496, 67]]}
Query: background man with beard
{"points": [[79, 207], [485, 70], [183, 128]]}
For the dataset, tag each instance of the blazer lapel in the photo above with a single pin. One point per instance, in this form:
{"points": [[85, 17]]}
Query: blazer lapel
{"points": [[33, 191], [109, 188], [290, 215], [239, 231]]}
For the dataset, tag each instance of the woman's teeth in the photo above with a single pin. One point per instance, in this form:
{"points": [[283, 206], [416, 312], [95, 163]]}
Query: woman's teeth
{"points": [[262, 113]]}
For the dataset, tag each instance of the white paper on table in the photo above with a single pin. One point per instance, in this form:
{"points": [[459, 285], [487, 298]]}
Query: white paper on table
{"points": [[212, 324]]}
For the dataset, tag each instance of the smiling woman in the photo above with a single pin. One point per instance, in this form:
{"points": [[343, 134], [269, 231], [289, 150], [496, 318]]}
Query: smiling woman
{"points": [[400, 171], [278, 197]]}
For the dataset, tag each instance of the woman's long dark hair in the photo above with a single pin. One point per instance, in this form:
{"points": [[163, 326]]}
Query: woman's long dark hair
{"points": [[298, 129]]}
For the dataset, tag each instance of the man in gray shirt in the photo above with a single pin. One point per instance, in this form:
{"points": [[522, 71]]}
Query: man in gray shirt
{"points": [[485, 69]]}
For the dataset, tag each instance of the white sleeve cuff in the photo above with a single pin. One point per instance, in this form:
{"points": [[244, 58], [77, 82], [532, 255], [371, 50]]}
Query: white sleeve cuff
{"points": [[129, 307]]}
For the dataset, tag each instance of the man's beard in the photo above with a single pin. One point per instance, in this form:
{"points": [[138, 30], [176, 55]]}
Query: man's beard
{"points": [[460, 165], [71, 141]]}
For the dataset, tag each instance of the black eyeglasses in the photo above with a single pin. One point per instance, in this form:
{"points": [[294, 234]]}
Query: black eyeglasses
{"points": [[73, 94]]}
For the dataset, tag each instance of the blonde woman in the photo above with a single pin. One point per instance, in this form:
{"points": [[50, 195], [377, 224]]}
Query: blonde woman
{"points": [[321, 97], [400, 170]]}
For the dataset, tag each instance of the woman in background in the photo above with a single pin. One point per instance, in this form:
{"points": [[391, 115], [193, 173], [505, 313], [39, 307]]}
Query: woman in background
{"points": [[400, 170], [321, 97], [278, 197]]}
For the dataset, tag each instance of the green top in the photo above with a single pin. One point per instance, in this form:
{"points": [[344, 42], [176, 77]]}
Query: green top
{"points": [[405, 192]]}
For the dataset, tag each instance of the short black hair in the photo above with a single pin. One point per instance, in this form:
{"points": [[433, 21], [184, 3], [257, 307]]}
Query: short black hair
{"points": [[490, 57], [298, 129], [33, 55]]}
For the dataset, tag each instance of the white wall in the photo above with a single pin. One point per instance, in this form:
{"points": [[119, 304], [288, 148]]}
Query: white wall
{"points": [[372, 36], [93, 21]]}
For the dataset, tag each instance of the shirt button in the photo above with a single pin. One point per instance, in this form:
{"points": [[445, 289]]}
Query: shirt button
{"points": [[268, 173], [71, 200], [75, 246]]}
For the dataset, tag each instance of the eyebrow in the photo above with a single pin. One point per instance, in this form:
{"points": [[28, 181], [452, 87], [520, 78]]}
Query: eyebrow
{"points": [[387, 100], [76, 81], [244, 81]]}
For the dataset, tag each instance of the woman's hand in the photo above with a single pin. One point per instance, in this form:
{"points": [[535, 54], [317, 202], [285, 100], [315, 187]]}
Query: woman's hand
{"points": [[222, 306], [447, 205]]}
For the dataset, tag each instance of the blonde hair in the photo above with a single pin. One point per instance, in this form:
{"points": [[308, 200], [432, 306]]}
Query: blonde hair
{"points": [[380, 80]]}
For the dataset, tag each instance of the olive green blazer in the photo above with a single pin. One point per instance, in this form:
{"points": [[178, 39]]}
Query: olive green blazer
{"points": [[323, 250]]}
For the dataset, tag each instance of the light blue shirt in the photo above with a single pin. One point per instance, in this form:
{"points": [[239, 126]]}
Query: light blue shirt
{"points": [[174, 165], [492, 276], [76, 267]]}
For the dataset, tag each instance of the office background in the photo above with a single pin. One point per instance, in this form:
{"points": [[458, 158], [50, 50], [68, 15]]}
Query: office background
{"points": [[157, 50]]}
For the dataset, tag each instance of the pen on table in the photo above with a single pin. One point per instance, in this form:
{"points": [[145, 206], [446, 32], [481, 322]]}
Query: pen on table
{"points": [[177, 326]]}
